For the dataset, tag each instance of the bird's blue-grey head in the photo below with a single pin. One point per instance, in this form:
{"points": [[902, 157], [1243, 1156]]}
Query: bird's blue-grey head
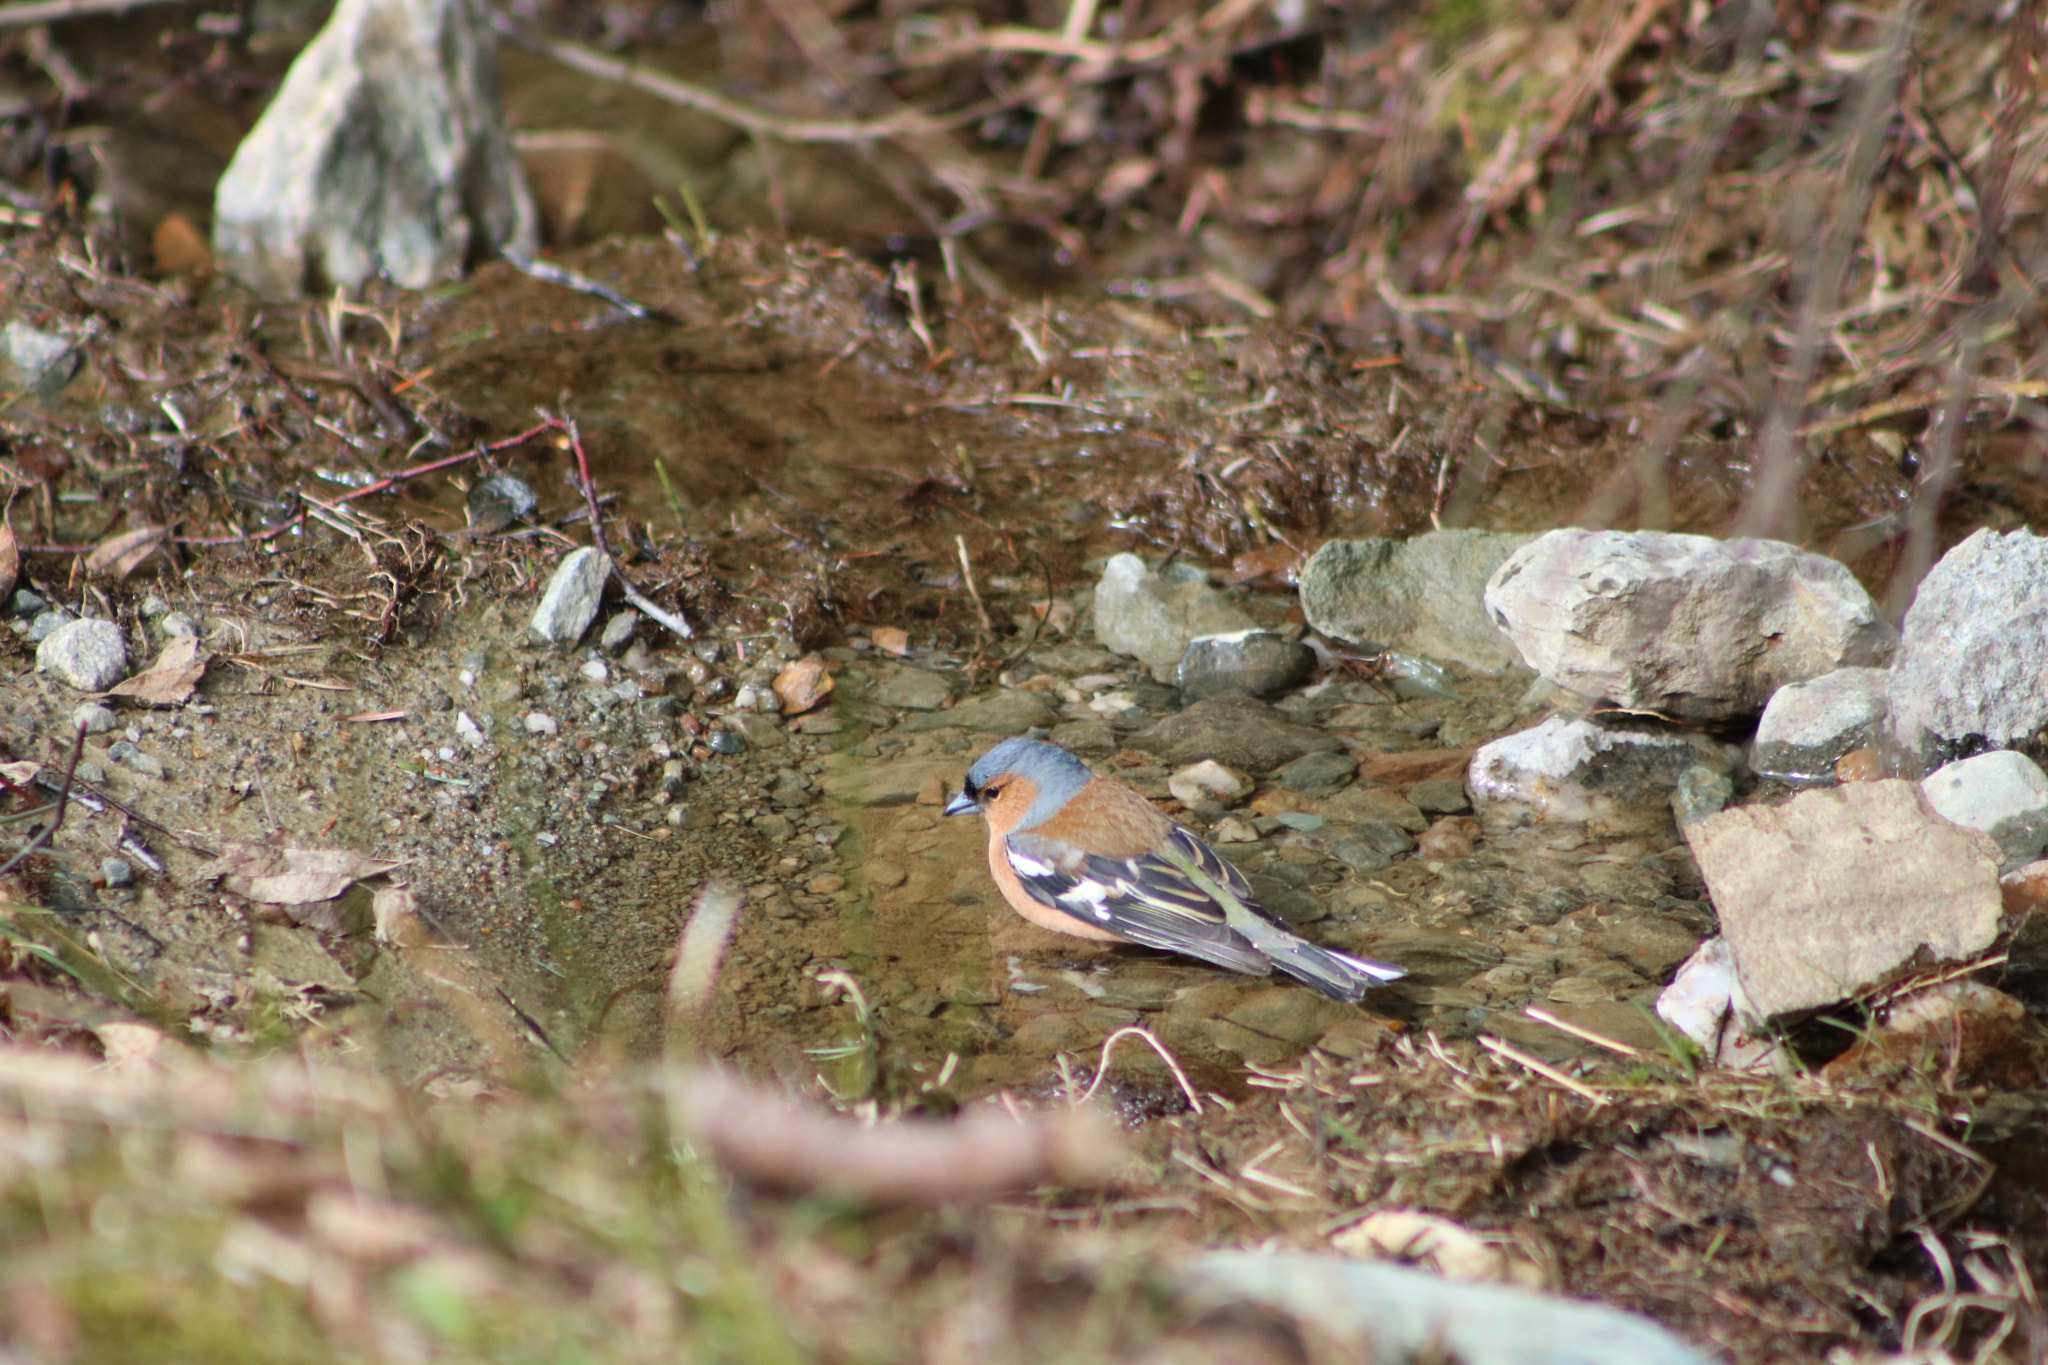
{"points": [[1056, 773]]}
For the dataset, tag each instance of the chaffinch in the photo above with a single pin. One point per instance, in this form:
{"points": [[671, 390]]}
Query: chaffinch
{"points": [[1083, 855]]}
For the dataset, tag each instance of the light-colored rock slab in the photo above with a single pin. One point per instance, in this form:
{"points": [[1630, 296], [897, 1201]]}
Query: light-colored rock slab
{"points": [[1694, 627], [384, 152], [1841, 889], [570, 603], [1154, 616], [2003, 793], [1570, 772], [1424, 595], [1972, 670]]}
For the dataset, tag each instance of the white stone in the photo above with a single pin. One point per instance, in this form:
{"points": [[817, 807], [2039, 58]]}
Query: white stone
{"points": [[541, 723], [2003, 793], [570, 603], [90, 655], [1698, 628], [468, 731], [1972, 670], [1209, 781], [384, 152], [1599, 779]]}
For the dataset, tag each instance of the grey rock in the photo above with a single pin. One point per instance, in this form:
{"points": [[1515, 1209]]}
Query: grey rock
{"points": [[1361, 803], [498, 499], [618, 632], [762, 732], [125, 753], [1293, 1016], [1702, 629], [1808, 726], [912, 689], [726, 742], [1360, 855], [95, 719], [153, 606], [90, 655], [1319, 774], [384, 152], [570, 603], [43, 361], [48, 623], [26, 604], [1972, 671], [178, 625], [89, 771], [1843, 889], [1237, 732], [1085, 737], [1441, 796], [2002, 793], [1600, 780], [1701, 791], [774, 826], [1153, 616], [1396, 1313], [1244, 663], [1009, 712], [1383, 835], [1424, 595], [1073, 660], [117, 872]]}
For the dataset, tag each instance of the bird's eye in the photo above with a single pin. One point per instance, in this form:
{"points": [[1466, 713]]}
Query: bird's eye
{"points": [[991, 790]]}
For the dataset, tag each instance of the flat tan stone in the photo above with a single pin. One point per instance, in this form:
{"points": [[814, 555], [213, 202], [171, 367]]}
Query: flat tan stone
{"points": [[1841, 889]]}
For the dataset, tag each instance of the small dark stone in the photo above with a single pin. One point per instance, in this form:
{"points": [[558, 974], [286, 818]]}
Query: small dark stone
{"points": [[1440, 796], [1245, 663], [1318, 775], [726, 742], [440, 701], [497, 500]]}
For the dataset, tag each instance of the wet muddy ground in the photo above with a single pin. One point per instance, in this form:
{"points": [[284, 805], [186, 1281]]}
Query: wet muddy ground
{"points": [[811, 463]]}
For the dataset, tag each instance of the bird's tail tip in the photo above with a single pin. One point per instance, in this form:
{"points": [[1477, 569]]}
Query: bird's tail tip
{"points": [[1337, 975]]}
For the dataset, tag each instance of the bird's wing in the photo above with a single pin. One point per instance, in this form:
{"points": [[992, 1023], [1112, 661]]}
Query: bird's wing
{"points": [[1143, 899]]}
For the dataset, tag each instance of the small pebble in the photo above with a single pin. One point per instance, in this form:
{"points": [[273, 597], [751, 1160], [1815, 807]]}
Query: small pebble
{"points": [[117, 871], [618, 632], [468, 731], [178, 625], [96, 719], [595, 670], [726, 742], [827, 884], [541, 723]]}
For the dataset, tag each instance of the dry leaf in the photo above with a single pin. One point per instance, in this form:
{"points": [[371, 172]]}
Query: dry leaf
{"points": [[803, 685], [395, 912], [293, 876], [179, 246], [891, 640], [118, 557], [1437, 1244], [168, 681], [10, 561], [21, 774], [131, 1049]]}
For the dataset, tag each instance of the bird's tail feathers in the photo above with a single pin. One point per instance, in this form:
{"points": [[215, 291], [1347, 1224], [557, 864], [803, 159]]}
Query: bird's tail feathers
{"points": [[1337, 975]]}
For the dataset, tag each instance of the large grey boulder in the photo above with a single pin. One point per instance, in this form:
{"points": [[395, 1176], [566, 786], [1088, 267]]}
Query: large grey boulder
{"points": [[1972, 671], [1423, 595], [384, 152], [1698, 628], [1153, 617]]}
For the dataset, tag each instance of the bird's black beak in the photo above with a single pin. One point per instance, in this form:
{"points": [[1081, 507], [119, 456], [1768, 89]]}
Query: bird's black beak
{"points": [[963, 804]]}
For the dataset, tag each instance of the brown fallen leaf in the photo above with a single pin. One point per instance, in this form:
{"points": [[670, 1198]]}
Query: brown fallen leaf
{"points": [[10, 560], [168, 681], [20, 774], [292, 876], [118, 556], [803, 685], [892, 640]]}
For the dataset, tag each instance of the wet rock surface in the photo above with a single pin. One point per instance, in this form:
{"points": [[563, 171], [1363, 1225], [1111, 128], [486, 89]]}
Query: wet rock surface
{"points": [[1425, 595], [1807, 727]]}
